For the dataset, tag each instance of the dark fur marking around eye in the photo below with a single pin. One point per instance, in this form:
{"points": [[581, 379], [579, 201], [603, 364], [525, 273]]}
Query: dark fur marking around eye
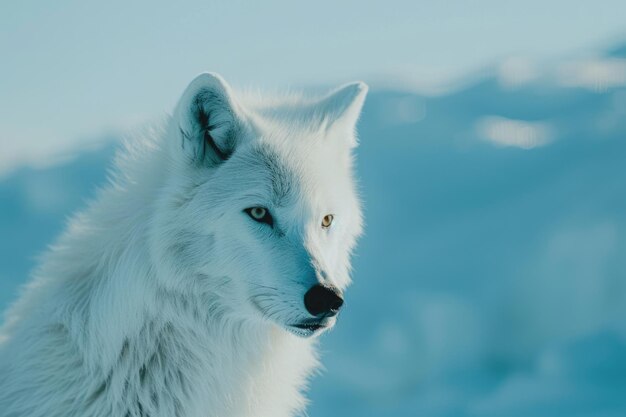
{"points": [[267, 218]]}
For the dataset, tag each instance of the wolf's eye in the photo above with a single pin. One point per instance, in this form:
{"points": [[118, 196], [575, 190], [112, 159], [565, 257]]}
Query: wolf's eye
{"points": [[327, 221], [260, 214]]}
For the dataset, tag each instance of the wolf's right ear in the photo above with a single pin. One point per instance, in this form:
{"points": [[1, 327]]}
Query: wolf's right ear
{"points": [[341, 109], [207, 119]]}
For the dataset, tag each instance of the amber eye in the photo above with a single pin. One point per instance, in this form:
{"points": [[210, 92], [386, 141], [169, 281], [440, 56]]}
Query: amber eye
{"points": [[260, 214], [327, 220]]}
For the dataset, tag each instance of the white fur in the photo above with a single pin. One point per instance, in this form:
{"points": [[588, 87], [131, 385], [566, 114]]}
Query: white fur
{"points": [[163, 298]]}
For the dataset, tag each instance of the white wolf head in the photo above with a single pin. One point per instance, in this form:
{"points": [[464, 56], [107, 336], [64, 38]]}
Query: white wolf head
{"points": [[260, 206]]}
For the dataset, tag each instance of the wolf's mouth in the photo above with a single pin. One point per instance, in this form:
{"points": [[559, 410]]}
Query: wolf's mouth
{"points": [[309, 326]]}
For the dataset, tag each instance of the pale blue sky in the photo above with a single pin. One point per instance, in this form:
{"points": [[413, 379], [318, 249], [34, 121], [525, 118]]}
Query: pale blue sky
{"points": [[70, 69]]}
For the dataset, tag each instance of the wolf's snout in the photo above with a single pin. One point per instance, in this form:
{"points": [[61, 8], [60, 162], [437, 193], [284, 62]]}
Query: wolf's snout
{"points": [[320, 300]]}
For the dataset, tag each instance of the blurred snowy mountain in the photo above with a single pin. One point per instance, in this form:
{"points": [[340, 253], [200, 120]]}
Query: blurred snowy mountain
{"points": [[492, 277]]}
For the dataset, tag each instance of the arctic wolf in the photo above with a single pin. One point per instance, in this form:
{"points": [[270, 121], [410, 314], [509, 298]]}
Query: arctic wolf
{"points": [[197, 281]]}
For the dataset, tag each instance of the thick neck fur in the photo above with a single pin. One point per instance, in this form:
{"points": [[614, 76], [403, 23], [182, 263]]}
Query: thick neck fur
{"points": [[95, 335]]}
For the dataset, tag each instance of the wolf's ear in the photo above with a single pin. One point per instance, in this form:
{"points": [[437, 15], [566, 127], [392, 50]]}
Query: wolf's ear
{"points": [[208, 121], [342, 107]]}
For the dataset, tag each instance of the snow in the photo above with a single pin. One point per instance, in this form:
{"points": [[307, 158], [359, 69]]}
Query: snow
{"points": [[517, 133], [598, 74], [491, 280]]}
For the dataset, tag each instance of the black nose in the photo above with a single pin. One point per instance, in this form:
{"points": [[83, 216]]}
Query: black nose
{"points": [[320, 300]]}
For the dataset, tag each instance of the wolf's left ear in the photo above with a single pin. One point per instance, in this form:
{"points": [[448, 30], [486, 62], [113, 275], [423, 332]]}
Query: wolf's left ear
{"points": [[342, 107], [208, 121]]}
